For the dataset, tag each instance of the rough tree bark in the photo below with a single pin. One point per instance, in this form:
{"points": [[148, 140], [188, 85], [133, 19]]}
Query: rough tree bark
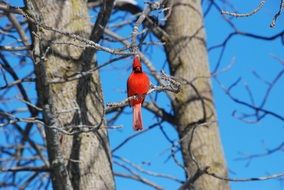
{"points": [[194, 106], [79, 161]]}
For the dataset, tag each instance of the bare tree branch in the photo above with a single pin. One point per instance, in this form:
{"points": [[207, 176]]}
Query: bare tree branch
{"points": [[26, 169], [171, 85], [245, 14], [136, 176], [262, 178]]}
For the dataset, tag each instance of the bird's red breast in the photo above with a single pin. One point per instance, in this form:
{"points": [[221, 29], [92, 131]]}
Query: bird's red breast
{"points": [[137, 84]]}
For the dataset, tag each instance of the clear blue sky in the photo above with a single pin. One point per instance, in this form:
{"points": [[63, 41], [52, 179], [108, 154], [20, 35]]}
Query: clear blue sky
{"points": [[238, 138]]}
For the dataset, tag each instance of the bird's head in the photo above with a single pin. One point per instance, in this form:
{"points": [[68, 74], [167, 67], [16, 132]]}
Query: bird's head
{"points": [[136, 66]]}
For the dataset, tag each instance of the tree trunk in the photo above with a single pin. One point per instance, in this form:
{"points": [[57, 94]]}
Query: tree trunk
{"points": [[194, 106], [80, 161]]}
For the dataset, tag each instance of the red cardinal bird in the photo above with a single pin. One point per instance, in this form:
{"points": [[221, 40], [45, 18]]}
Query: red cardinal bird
{"points": [[138, 84]]}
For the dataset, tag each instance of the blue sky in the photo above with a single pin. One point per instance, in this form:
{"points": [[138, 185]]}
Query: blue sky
{"points": [[151, 150]]}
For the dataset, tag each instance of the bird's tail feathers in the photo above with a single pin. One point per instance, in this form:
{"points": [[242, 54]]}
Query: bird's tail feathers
{"points": [[137, 117]]}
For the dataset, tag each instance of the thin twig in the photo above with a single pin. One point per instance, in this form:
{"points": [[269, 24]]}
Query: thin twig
{"points": [[273, 22], [262, 178], [261, 4]]}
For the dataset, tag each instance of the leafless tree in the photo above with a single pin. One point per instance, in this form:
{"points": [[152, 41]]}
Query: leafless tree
{"points": [[53, 114]]}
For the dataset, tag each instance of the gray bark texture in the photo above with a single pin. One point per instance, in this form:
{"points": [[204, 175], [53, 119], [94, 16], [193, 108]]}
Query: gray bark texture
{"points": [[193, 106], [80, 161]]}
